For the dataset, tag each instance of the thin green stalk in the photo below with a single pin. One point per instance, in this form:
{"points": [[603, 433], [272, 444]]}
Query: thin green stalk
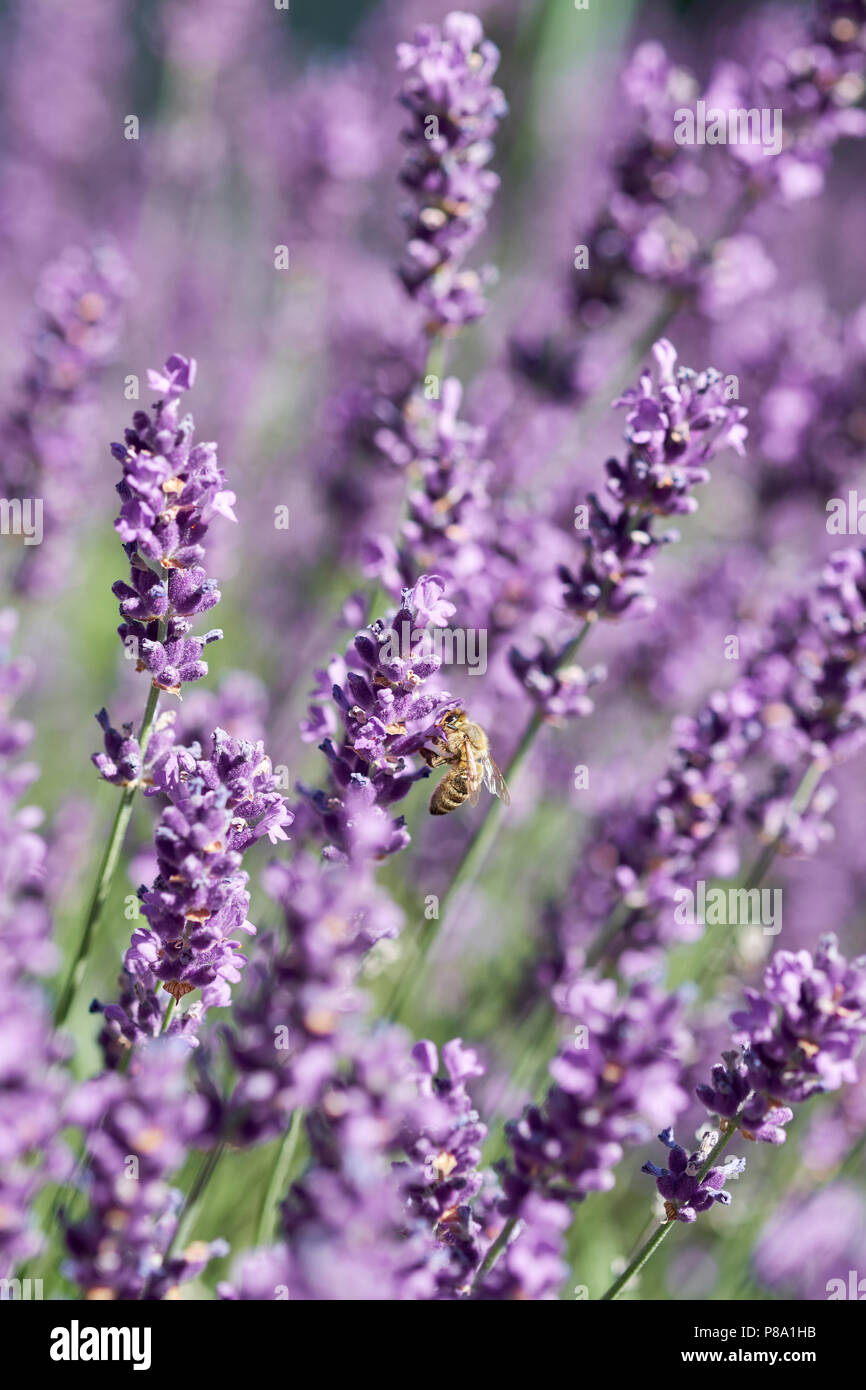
{"points": [[621, 915], [279, 1178], [799, 802], [473, 857], [649, 1248], [757, 873], [107, 869], [192, 1203], [598, 404], [618, 919], [482, 841], [494, 1252], [434, 365], [640, 1259], [852, 1163]]}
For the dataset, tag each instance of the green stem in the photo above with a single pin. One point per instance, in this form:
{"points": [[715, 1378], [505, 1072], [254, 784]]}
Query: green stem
{"points": [[649, 1248], [754, 878], [190, 1209], [597, 406], [619, 918], [107, 869], [434, 365], [851, 1164], [799, 802], [279, 1178], [616, 921], [473, 857], [495, 1251]]}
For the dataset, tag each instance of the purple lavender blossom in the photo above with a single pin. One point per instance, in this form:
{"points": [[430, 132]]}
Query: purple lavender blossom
{"points": [[807, 1242], [639, 233], [137, 1130], [170, 491], [348, 1227], [62, 168], [219, 806], [557, 685], [811, 69], [31, 1084], [320, 142], [811, 678], [533, 1266], [120, 762], [496, 559], [388, 715], [447, 87], [451, 1177], [384, 1211], [815, 81], [449, 527], [797, 1038], [674, 427], [620, 1071], [733, 767], [686, 1193], [300, 991], [79, 303]]}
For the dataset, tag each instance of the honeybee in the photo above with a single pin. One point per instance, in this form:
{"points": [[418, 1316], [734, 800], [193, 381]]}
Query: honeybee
{"points": [[466, 752]]}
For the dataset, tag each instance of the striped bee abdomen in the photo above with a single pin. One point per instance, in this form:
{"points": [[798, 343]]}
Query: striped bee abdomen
{"points": [[451, 793]]}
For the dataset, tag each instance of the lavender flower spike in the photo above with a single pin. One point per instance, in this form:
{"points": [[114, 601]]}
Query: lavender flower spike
{"points": [[31, 1083], [455, 111], [47, 427], [170, 491], [198, 902], [674, 427], [137, 1129], [798, 1038], [685, 1192], [388, 711]]}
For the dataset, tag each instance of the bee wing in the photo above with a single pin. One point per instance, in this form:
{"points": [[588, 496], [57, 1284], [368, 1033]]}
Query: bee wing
{"points": [[494, 781], [474, 773]]}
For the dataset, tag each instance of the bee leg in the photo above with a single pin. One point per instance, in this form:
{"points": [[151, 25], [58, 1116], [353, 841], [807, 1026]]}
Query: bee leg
{"points": [[430, 758]]}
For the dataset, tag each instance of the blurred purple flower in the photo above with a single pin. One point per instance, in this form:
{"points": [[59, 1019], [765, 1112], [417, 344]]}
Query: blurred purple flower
{"points": [[447, 87], [798, 1038], [79, 303], [137, 1131], [351, 1226], [31, 1084]]}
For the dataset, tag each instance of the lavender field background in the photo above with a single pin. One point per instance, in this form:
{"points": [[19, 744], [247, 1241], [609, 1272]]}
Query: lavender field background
{"points": [[491, 359]]}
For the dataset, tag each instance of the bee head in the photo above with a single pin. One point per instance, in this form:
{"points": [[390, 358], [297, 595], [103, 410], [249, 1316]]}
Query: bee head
{"points": [[454, 719]]}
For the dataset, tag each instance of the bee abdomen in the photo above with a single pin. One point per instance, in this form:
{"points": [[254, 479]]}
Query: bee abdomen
{"points": [[451, 793]]}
